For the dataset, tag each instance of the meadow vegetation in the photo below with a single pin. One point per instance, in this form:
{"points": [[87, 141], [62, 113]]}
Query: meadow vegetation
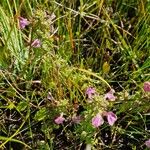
{"points": [[74, 74]]}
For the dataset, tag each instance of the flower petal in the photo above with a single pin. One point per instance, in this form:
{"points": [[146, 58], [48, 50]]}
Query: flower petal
{"points": [[146, 86], [23, 22], [147, 143], [110, 95], [36, 43], [59, 120], [111, 118], [97, 120], [90, 92]]}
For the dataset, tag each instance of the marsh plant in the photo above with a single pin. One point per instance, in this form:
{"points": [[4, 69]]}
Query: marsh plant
{"points": [[74, 75]]}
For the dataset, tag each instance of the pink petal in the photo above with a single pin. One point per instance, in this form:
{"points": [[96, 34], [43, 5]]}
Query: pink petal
{"points": [[23, 22], [147, 143], [97, 120], [111, 118], [36, 43], [146, 86], [110, 95], [59, 120], [90, 92]]}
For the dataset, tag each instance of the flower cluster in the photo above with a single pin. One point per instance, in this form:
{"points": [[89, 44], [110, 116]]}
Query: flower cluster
{"points": [[98, 119], [60, 119], [23, 22]]}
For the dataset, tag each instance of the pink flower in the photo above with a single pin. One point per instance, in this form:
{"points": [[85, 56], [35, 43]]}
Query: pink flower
{"points": [[60, 119], [111, 118], [97, 120], [90, 92], [147, 143], [146, 86], [23, 22], [36, 43], [110, 95]]}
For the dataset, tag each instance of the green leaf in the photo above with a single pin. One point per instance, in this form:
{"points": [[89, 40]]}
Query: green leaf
{"points": [[11, 105], [41, 114], [22, 106], [106, 67], [2, 138]]}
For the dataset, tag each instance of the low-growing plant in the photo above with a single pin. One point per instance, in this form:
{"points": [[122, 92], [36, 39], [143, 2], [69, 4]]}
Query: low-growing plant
{"points": [[74, 75]]}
